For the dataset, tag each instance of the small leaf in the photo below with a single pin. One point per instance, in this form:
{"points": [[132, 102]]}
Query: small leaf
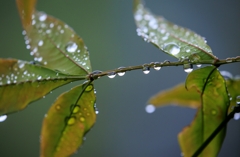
{"points": [[177, 96], [26, 9], [56, 46], [22, 83], [214, 99], [67, 121], [233, 87], [172, 39]]}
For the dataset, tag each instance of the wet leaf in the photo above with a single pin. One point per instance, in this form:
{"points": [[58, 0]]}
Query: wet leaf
{"points": [[170, 38], [234, 90], [56, 46], [67, 121], [22, 82], [178, 95], [26, 9], [215, 101]]}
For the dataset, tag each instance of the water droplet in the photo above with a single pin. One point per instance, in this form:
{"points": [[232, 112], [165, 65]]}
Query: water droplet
{"points": [[214, 112], [229, 60], [89, 88], [21, 65], [24, 32], [40, 43], [198, 65], [146, 69], [172, 48], [150, 108], [71, 121], [82, 119], [58, 107], [236, 116], [238, 100], [194, 57], [42, 16], [96, 110], [227, 75], [71, 47], [76, 109], [187, 66], [39, 77], [121, 73], [157, 67], [3, 118], [111, 74]]}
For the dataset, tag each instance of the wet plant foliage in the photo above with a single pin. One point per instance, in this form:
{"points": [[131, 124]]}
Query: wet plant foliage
{"points": [[61, 57]]}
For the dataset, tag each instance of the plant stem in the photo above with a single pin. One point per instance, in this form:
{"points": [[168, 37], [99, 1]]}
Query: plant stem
{"points": [[216, 131], [96, 74]]}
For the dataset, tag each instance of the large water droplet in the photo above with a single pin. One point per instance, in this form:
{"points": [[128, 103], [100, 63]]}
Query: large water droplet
{"points": [[121, 73], [150, 108], [157, 67], [187, 66], [89, 88], [71, 121], [198, 65], [146, 69], [172, 48], [3, 118], [76, 109], [111, 74], [71, 47], [42, 16]]}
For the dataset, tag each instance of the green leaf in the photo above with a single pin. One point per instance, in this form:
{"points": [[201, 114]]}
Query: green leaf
{"points": [[26, 9], [22, 83], [233, 87], [178, 95], [215, 101], [67, 121], [56, 46], [172, 39]]}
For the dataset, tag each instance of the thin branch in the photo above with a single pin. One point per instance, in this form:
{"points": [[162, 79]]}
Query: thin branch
{"points": [[97, 74]]}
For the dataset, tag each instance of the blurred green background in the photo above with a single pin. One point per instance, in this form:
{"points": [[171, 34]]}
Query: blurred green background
{"points": [[123, 128]]}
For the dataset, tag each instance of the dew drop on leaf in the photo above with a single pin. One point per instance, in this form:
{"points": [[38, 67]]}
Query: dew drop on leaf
{"points": [[58, 107], [89, 88], [111, 74], [3, 118], [71, 47], [150, 108], [71, 120], [214, 112], [43, 16], [76, 109], [82, 119], [96, 110], [172, 48], [40, 43]]}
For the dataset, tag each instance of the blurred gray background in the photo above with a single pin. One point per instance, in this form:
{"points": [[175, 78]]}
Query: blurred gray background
{"points": [[123, 128]]}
